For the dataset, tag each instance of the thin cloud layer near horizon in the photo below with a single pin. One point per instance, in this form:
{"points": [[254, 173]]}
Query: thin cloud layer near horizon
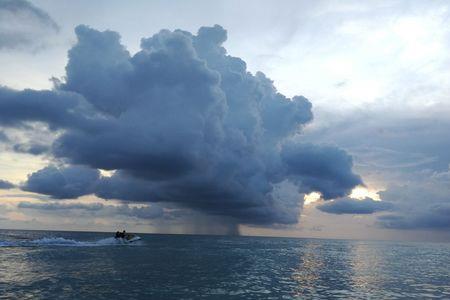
{"points": [[317, 120]]}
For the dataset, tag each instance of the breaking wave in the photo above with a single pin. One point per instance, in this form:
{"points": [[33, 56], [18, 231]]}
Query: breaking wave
{"points": [[60, 241]]}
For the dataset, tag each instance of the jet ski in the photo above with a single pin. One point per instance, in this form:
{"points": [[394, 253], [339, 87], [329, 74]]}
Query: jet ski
{"points": [[130, 238], [126, 238]]}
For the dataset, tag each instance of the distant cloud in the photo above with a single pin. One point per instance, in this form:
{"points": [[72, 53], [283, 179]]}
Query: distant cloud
{"points": [[3, 137], [99, 209], [435, 217], [23, 25], [401, 139], [5, 185], [59, 206], [424, 203], [25, 195], [407, 150], [354, 206], [35, 149], [180, 122]]}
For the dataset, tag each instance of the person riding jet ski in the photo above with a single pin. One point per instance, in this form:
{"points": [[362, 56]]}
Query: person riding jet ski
{"points": [[124, 236], [120, 234]]}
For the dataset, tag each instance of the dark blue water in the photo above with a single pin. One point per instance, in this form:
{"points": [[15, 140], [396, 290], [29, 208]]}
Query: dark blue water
{"points": [[59, 265]]}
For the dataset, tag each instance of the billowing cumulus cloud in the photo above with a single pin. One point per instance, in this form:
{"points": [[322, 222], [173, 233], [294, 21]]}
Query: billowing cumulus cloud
{"points": [[24, 25], [179, 122], [354, 206]]}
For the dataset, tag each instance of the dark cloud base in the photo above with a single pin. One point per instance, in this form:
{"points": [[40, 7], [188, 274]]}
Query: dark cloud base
{"points": [[354, 206]]}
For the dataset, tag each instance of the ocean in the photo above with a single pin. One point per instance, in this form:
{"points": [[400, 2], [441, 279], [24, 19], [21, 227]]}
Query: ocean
{"points": [[81, 265]]}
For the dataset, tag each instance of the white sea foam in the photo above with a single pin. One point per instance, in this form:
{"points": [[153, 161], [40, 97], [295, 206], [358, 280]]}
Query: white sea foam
{"points": [[60, 241]]}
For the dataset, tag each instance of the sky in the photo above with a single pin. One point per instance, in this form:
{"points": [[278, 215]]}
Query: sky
{"points": [[296, 118]]}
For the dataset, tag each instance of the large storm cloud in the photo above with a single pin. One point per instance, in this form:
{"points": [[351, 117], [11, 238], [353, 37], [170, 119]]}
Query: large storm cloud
{"points": [[179, 122]]}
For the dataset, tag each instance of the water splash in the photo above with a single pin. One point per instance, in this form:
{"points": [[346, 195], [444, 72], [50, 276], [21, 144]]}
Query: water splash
{"points": [[60, 241]]}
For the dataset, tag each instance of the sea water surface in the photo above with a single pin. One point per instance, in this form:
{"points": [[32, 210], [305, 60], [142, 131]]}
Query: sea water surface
{"points": [[76, 265]]}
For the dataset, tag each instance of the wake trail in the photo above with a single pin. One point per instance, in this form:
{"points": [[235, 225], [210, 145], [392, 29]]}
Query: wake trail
{"points": [[60, 241]]}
